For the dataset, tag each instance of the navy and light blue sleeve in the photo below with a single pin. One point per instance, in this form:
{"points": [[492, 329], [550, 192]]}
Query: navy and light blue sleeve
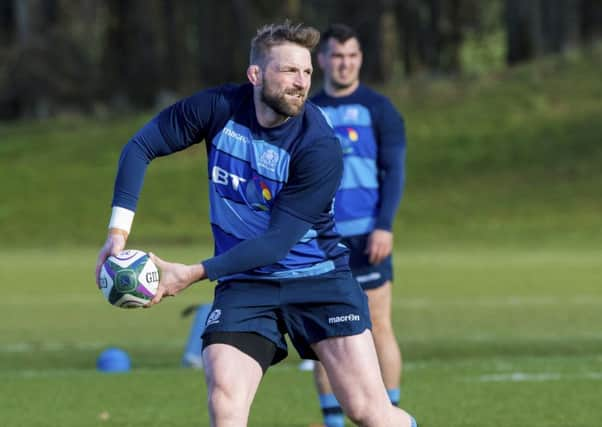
{"points": [[391, 164], [174, 129], [313, 180], [283, 232]]}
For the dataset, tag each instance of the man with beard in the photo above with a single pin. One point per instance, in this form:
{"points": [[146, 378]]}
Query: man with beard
{"points": [[274, 167], [372, 136]]}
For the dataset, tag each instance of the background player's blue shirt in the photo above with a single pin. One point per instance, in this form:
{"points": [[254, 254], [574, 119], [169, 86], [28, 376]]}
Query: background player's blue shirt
{"points": [[372, 136], [266, 185]]}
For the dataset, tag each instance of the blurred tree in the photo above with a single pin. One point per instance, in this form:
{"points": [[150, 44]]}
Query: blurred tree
{"points": [[538, 27], [8, 107], [174, 43], [179, 49], [431, 33], [483, 46], [7, 24], [58, 55], [368, 19], [590, 16], [225, 30], [42, 69], [31, 17], [131, 59], [560, 25]]}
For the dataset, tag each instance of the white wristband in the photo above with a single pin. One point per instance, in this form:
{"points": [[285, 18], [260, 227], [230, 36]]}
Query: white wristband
{"points": [[121, 218]]}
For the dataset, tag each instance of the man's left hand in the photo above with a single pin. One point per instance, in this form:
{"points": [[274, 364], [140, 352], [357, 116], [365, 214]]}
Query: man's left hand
{"points": [[174, 277], [379, 246]]}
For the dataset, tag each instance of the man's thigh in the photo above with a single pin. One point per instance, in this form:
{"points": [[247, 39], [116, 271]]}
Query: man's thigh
{"points": [[379, 301], [233, 375], [352, 366]]}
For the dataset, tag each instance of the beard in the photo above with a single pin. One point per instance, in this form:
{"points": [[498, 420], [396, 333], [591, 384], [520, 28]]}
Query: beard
{"points": [[276, 100]]}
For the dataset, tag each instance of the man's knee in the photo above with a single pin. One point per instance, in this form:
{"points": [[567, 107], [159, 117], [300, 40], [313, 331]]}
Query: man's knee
{"points": [[358, 414], [219, 390], [229, 392], [361, 411], [225, 403]]}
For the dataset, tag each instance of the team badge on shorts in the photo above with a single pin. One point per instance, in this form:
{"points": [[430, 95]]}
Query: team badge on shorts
{"points": [[214, 317]]}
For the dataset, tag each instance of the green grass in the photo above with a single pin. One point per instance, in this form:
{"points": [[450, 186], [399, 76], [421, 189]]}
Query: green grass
{"points": [[497, 301], [490, 338]]}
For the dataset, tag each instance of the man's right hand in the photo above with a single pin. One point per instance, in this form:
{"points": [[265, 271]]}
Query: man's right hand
{"points": [[114, 244]]}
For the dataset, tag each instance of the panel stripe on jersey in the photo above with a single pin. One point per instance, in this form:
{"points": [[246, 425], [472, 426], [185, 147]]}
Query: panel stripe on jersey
{"points": [[355, 210], [236, 218], [355, 226], [359, 172], [355, 114], [266, 159], [355, 203]]}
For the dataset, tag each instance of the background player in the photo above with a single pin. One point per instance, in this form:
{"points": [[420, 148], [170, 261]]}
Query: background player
{"points": [[372, 136]]}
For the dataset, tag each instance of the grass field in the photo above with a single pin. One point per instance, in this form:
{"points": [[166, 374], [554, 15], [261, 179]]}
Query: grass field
{"points": [[490, 338], [498, 296]]}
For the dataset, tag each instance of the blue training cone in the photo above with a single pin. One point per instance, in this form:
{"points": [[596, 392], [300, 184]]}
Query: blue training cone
{"points": [[113, 360], [192, 352]]}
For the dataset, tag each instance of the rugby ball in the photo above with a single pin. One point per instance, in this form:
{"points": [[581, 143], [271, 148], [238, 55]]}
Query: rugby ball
{"points": [[129, 279]]}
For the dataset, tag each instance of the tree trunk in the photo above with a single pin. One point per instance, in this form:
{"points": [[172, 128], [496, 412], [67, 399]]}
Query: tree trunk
{"points": [[590, 20], [7, 23], [131, 59], [523, 30]]}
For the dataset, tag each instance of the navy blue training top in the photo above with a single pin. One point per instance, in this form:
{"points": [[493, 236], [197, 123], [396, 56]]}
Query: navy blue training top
{"points": [[372, 136], [270, 189]]}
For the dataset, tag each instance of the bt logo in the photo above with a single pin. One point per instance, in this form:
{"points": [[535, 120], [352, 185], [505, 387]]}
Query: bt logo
{"points": [[223, 177]]}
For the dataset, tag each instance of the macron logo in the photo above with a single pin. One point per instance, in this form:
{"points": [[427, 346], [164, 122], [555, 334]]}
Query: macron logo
{"points": [[235, 135], [341, 319]]}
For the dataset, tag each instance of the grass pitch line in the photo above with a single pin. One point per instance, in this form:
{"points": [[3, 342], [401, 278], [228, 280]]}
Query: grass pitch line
{"points": [[50, 346], [510, 301], [55, 346], [535, 377]]}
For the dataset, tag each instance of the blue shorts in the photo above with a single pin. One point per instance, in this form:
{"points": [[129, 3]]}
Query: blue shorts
{"points": [[308, 309], [369, 276]]}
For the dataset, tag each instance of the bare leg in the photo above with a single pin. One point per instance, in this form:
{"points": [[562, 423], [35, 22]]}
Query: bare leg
{"points": [[232, 380], [321, 379], [352, 367], [389, 355]]}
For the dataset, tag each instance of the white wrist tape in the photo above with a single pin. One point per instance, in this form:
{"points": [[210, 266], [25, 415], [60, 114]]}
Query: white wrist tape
{"points": [[121, 218]]}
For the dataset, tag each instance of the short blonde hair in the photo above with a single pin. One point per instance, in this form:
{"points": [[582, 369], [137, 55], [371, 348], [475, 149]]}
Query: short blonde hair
{"points": [[277, 34]]}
